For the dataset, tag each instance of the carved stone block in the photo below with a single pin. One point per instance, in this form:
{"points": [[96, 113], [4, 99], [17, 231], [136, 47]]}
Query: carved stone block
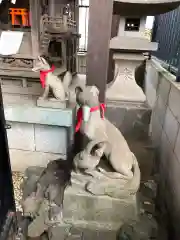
{"points": [[97, 211], [124, 86]]}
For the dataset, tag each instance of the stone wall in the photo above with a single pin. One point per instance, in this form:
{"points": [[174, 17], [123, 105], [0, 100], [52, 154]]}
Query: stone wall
{"points": [[37, 135], [163, 95], [35, 144]]}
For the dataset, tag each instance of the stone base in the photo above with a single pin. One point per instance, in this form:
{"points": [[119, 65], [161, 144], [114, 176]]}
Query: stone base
{"points": [[97, 212], [67, 232], [82, 209], [51, 103], [37, 134], [124, 87]]}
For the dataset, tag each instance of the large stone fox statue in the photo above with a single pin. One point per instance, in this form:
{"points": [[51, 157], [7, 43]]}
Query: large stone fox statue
{"points": [[94, 126]]}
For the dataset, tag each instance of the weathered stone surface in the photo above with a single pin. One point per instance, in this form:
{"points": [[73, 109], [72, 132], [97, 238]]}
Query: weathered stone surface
{"points": [[13, 99], [166, 137], [51, 104], [149, 189], [68, 232], [171, 127], [51, 139], [57, 117], [155, 130], [60, 232], [36, 132], [174, 98], [116, 114], [97, 212], [177, 146], [124, 87], [163, 89], [145, 228], [102, 211], [160, 109], [151, 84], [145, 154], [33, 89], [130, 118], [21, 159], [99, 235], [21, 136], [165, 156]]}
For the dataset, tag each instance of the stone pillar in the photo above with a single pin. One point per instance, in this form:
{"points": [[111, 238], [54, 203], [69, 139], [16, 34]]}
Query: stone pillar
{"points": [[124, 87], [100, 21], [52, 8], [114, 31], [35, 14]]}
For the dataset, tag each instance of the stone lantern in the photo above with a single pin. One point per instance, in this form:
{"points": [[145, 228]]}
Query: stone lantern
{"points": [[130, 44]]}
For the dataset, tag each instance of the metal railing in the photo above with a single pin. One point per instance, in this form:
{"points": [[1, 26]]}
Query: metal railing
{"points": [[166, 32]]}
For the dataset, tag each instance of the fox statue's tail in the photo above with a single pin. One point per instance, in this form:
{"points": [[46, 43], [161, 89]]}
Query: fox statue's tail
{"points": [[117, 187]]}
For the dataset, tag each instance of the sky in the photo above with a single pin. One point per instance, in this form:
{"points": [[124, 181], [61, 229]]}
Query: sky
{"points": [[83, 25], [149, 22]]}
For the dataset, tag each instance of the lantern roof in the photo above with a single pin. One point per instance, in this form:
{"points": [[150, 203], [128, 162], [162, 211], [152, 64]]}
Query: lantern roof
{"points": [[144, 7]]}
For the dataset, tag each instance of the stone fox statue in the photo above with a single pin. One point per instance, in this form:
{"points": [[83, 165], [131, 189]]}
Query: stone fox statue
{"points": [[50, 81], [96, 128], [61, 89]]}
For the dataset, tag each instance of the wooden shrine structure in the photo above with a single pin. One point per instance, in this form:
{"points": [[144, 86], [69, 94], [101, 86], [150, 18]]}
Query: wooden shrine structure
{"points": [[49, 28]]}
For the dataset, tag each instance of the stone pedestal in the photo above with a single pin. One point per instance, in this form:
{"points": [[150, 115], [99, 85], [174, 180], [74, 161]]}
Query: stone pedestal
{"points": [[51, 103], [84, 210], [98, 212], [37, 135], [124, 87]]}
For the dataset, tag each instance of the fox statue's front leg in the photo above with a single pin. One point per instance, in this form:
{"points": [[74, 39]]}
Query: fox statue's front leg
{"points": [[46, 92]]}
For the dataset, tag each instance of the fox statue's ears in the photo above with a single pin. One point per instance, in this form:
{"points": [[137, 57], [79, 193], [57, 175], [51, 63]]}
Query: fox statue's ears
{"points": [[41, 59], [78, 90]]}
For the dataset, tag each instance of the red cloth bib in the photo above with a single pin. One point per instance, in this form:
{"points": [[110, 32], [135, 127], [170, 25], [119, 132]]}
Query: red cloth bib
{"points": [[102, 107], [43, 75]]}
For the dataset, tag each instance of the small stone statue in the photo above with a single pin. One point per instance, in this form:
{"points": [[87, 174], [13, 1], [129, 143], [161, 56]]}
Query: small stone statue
{"points": [[89, 158], [49, 80], [63, 90]]}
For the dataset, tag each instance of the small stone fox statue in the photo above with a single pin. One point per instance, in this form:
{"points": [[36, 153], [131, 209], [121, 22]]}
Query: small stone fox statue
{"points": [[50, 81], [88, 159]]}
